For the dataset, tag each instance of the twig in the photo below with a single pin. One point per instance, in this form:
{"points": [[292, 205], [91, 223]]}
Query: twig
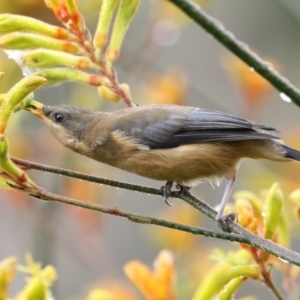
{"points": [[256, 240], [240, 49], [103, 69], [138, 218], [266, 276], [250, 238], [132, 187]]}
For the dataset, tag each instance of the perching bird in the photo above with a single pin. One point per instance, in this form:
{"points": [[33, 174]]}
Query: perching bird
{"points": [[166, 142]]}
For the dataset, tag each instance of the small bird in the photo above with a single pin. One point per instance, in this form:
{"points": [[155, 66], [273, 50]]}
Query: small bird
{"points": [[176, 144]]}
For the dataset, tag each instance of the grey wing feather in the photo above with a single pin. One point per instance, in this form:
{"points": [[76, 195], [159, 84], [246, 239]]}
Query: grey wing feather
{"points": [[175, 126], [211, 119], [212, 135], [152, 128]]}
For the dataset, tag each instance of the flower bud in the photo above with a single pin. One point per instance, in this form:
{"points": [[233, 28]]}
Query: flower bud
{"points": [[22, 40], [105, 18], [57, 75], [11, 23], [126, 11], [107, 94]]}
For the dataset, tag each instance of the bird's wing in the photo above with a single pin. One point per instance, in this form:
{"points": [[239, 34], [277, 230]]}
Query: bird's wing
{"points": [[173, 126]]}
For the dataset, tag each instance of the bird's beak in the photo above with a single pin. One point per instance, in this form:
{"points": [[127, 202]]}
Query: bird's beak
{"points": [[36, 108]]}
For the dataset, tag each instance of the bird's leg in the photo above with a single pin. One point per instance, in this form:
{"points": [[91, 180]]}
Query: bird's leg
{"points": [[220, 217], [166, 190]]}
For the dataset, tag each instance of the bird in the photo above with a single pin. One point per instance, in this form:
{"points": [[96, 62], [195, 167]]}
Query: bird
{"points": [[171, 143]]}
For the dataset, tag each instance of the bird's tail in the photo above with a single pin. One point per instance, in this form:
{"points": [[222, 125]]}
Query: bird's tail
{"points": [[291, 153]]}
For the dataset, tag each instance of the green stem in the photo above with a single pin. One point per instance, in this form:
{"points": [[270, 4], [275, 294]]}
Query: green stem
{"points": [[240, 49], [266, 276]]}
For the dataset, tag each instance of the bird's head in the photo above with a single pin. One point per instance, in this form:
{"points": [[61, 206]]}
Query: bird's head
{"points": [[68, 123]]}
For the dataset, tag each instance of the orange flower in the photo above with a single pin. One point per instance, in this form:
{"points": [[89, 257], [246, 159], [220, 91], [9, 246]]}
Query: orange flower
{"points": [[67, 12], [246, 215], [252, 86], [112, 290], [290, 172], [156, 285], [168, 88]]}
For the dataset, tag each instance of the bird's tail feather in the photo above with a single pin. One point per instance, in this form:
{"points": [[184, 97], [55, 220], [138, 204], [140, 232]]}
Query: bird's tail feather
{"points": [[291, 153]]}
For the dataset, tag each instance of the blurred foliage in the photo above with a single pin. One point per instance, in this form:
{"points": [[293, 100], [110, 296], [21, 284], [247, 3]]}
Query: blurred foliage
{"points": [[227, 272], [38, 283], [252, 87], [74, 56]]}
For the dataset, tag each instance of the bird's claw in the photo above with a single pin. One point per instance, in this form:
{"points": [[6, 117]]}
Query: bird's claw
{"points": [[166, 191], [223, 221], [182, 188]]}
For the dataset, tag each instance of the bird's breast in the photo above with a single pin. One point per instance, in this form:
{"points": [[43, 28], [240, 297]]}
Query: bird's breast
{"points": [[183, 164]]}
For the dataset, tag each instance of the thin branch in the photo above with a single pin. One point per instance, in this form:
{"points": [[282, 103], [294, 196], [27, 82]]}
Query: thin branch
{"points": [[284, 254], [240, 49], [250, 238], [137, 218], [127, 186], [266, 275]]}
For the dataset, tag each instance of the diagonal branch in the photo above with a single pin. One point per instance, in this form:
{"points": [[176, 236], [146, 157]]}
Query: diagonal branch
{"points": [[239, 232], [256, 240], [127, 186], [240, 49]]}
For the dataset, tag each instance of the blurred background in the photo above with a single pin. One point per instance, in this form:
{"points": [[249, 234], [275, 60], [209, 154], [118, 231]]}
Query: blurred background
{"points": [[165, 58]]}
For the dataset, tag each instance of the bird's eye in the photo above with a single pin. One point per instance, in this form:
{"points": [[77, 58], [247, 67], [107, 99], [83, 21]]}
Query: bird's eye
{"points": [[58, 117]]}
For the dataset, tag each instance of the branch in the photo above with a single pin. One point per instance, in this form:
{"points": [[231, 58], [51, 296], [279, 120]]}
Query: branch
{"points": [[25, 164], [240, 233], [138, 218], [239, 48], [256, 241]]}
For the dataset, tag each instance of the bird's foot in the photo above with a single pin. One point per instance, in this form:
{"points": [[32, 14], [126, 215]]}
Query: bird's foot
{"points": [[182, 188], [223, 221], [166, 191]]}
